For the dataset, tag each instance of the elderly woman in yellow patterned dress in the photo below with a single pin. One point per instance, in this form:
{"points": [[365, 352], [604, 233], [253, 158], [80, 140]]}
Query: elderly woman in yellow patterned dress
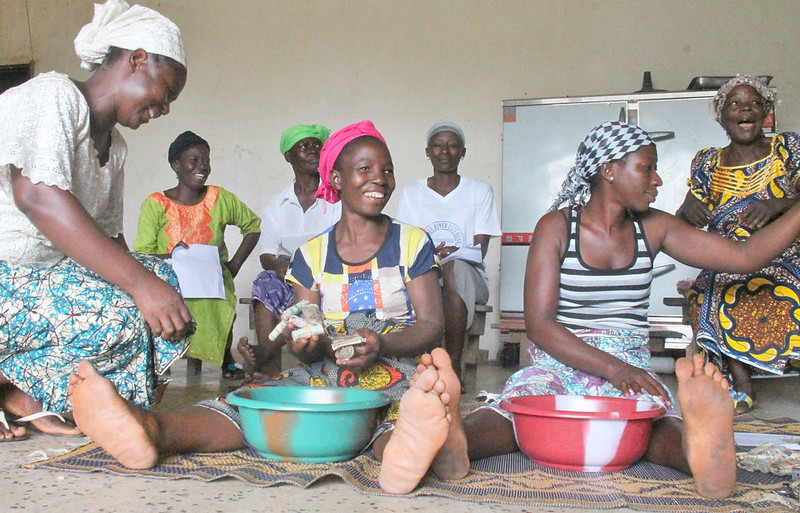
{"points": [[746, 322]]}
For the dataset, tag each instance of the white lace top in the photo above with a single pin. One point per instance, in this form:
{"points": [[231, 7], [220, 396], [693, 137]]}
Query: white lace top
{"points": [[44, 131]]}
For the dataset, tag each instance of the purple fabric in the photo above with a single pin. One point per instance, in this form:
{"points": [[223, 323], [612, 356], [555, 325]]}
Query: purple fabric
{"points": [[272, 292]]}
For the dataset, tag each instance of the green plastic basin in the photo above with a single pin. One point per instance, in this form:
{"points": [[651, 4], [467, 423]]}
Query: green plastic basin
{"points": [[308, 424]]}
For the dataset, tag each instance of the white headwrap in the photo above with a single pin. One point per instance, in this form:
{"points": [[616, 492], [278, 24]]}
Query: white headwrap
{"points": [[117, 24]]}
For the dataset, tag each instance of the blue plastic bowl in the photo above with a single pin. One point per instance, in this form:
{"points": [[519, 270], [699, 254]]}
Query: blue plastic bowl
{"points": [[308, 424]]}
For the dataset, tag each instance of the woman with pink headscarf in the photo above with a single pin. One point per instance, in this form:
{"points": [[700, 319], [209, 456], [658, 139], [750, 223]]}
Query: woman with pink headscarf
{"points": [[372, 277]]}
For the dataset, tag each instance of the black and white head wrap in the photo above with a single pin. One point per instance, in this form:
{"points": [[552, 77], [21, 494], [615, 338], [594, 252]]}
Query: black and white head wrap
{"points": [[605, 143]]}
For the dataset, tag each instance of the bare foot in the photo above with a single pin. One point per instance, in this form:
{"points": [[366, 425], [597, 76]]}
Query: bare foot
{"points": [[12, 431], [708, 426], [420, 432], [126, 432], [254, 372], [16, 402], [452, 461], [247, 352]]}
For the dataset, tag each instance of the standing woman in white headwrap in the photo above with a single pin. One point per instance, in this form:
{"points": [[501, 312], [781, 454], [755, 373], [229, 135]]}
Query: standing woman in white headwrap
{"points": [[69, 288]]}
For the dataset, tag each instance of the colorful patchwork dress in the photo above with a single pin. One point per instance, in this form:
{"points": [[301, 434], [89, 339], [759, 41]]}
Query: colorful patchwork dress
{"points": [[369, 294], [163, 223], [752, 318]]}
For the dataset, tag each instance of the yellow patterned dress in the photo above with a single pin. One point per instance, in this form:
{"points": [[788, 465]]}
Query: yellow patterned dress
{"points": [[753, 318], [163, 223]]}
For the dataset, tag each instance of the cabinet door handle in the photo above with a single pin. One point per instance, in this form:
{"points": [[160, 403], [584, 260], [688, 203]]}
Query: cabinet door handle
{"points": [[662, 270], [662, 135]]}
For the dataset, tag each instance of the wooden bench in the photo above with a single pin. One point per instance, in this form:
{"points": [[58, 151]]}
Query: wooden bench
{"points": [[683, 303], [251, 320], [471, 355], [515, 328]]}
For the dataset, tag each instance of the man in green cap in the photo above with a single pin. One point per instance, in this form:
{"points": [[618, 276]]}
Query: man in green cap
{"points": [[291, 217]]}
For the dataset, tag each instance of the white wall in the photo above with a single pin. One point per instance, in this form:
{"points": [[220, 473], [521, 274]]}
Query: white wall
{"points": [[259, 66]]}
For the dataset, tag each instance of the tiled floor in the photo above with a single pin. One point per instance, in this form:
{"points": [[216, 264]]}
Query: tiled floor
{"points": [[40, 490]]}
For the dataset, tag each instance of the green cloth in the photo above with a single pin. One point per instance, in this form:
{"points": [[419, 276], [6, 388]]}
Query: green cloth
{"points": [[163, 223], [290, 136]]}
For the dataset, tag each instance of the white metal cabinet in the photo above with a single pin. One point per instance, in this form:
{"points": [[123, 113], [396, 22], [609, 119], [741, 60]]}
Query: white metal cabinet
{"points": [[540, 138]]}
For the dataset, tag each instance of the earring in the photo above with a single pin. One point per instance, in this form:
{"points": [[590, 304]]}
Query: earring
{"points": [[611, 179]]}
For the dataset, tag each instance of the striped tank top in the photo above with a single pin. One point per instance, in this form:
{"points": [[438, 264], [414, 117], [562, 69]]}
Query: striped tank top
{"points": [[592, 298]]}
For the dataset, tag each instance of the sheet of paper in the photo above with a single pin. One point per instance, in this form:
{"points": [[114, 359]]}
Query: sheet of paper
{"points": [[199, 271], [791, 442], [469, 253]]}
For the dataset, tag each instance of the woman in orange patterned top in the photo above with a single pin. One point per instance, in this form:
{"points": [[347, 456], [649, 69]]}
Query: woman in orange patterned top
{"points": [[746, 323], [195, 213]]}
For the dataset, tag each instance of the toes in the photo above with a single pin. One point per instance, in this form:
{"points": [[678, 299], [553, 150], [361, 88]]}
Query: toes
{"points": [[683, 368], [426, 360], [441, 359], [720, 378], [699, 362], [427, 380], [86, 370], [13, 431]]}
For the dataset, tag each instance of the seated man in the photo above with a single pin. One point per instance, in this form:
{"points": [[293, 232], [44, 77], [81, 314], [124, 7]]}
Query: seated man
{"points": [[457, 212], [291, 217]]}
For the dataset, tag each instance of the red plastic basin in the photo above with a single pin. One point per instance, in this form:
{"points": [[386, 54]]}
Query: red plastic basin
{"points": [[585, 434]]}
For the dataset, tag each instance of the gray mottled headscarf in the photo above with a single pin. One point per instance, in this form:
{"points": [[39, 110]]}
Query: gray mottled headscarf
{"points": [[605, 143], [446, 126], [756, 83]]}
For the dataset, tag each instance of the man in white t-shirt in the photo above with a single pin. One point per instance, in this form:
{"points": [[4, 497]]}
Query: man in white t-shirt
{"points": [[291, 217], [460, 215]]}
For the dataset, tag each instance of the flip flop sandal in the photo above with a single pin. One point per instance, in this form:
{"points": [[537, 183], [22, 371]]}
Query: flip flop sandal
{"points": [[233, 372], [4, 423], [38, 415], [740, 399]]}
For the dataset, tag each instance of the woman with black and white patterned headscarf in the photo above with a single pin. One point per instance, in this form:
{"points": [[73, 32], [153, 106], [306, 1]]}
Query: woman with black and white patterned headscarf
{"points": [[605, 143], [587, 288]]}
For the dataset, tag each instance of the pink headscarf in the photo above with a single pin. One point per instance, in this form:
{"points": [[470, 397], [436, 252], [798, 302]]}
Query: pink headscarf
{"points": [[331, 150]]}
